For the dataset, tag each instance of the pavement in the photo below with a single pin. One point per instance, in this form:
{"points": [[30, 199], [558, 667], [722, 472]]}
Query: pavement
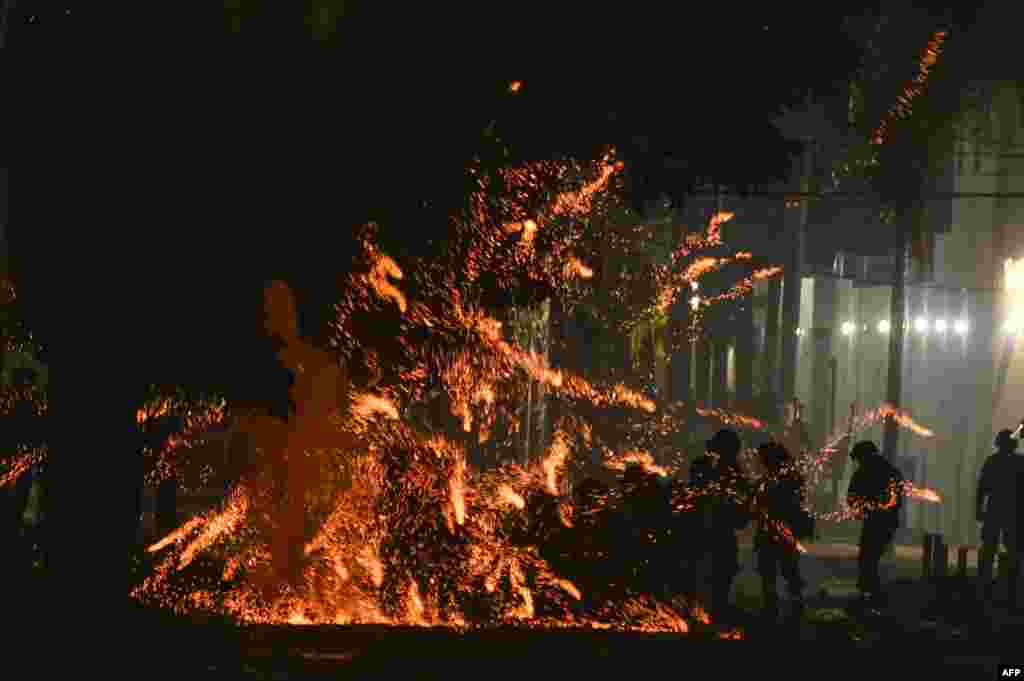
{"points": [[902, 639], [830, 568]]}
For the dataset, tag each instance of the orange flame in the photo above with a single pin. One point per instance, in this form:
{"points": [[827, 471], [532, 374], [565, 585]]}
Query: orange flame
{"points": [[510, 496], [577, 268], [924, 494], [365, 406], [731, 418], [383, 267], [644, 459], [904, 102], [20, 466], [343, 573]]}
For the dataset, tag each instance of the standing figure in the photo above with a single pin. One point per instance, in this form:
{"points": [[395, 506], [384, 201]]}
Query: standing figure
{"points": [[779, 501], [876, 495], [640, 527], [592, 533], [997, 512], [725, 508]]}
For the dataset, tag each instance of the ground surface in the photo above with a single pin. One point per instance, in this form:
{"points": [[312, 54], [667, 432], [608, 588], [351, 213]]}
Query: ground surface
{"points": [[904, 639]]}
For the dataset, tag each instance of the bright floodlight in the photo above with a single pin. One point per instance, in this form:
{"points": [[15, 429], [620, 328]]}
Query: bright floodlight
{"points": [[883, 326], [940, 325], [921, 325], [695, 303], [694, 286], [1014, 295], [848, 328], [961, 326]]}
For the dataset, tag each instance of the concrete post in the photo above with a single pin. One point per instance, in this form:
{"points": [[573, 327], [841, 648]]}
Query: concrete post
{"points": [[897, 335], [702, 381], [720, 383], [770, 358], [745, 350], [796, 222]]}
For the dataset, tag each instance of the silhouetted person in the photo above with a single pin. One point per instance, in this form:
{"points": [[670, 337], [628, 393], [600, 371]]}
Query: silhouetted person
{"points": [[687, 544], [997, 511], [779, 499], [638, 525], [876, 495], [592, 526], [725, 510], [17, 546], [649, 508]]}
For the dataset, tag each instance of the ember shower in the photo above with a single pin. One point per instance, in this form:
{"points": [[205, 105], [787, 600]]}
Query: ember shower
{"points": [[353, 512]]}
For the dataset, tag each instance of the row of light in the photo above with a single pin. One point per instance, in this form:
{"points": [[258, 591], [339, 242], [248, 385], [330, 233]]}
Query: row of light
{"points": [[921, 325]]}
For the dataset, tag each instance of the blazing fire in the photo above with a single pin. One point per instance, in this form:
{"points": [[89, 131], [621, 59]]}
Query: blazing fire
{"points": [[353, 511], [412, 534]]}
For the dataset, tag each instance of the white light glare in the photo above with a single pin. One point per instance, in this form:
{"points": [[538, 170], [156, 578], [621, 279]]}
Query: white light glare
{"points": [[961, 326], [921, 325], [695, 303], [883, 326], [1015, 295], [940, 325], [848, 328], [694, 286]]}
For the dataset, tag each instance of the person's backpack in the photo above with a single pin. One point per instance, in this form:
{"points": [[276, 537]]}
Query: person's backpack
{"points": [[802, 524]]}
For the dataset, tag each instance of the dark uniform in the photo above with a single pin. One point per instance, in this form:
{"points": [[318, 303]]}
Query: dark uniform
{"points": [[876, 494], [592, 525], [997, 510], [645, 514], [778, 499], [724, 509]]}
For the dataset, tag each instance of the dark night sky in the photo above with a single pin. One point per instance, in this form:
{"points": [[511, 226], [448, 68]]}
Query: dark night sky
{"points": [[233, 169]]}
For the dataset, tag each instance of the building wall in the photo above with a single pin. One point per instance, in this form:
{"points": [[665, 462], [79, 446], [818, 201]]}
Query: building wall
{"points": [[950, 382], [805, 345]]}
